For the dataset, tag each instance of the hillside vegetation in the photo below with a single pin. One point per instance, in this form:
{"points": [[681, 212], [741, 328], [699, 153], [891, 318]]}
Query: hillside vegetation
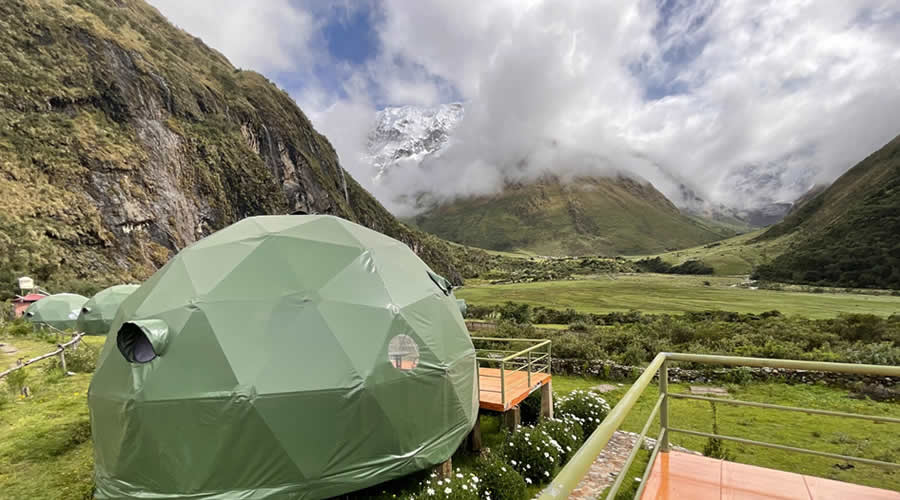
{"points": [[738, 255], [588, 216], [124, 139], [848, 235]]}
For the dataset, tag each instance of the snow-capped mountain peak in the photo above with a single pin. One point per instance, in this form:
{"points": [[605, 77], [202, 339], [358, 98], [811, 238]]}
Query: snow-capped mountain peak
{"points": [[410, 133]]}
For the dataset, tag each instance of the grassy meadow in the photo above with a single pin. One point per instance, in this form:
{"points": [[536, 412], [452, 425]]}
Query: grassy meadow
{"points": [[673, 294], [45, 439]]}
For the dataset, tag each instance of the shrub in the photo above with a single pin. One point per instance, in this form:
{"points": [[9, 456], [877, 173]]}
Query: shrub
{"points": [[714, 447], [581, 325], [19, 328], [634, 355], [739, 375], [517, 312], [533, 453], [457, 486], [82, 359], [567, 432], [15, 381], [587, 407], [881, 353], [499, 480]]}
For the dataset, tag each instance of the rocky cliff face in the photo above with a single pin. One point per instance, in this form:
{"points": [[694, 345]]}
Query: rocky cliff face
{"points": [[123, 139]]}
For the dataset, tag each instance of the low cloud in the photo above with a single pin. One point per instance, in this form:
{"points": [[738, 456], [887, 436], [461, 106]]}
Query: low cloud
{"points": [[744, 101]]}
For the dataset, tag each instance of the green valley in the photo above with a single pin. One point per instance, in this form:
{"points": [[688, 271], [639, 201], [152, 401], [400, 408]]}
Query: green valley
{"points": [[660, 293]]}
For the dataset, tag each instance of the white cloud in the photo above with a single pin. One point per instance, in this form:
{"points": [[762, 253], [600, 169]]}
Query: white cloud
{"points": [[268, 36], [704, 92], [786, 92]]}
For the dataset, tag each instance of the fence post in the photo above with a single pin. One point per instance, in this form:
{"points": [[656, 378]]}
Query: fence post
{"points": [[664, 407], [528, 368], [62, 358], [502, 385]]}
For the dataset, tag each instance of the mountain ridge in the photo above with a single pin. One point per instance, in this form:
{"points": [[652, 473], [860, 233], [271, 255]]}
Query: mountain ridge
{"points": [[848, 234], [586, 216]]}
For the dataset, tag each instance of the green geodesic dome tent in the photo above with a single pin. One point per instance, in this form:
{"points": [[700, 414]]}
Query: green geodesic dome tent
{"points": [[59, 311], [97, 314], [281, 357]]}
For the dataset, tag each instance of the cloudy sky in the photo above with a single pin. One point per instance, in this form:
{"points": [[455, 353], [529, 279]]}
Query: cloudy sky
{"points": [[744, 101]]}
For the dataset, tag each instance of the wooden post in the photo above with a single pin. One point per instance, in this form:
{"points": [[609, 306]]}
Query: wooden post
{"points": [[62, 359], [547, 400], [475, 435], [512, 418], [444, 469]]}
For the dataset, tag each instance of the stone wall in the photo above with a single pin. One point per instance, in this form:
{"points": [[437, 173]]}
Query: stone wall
{"points": [[610, 370]]}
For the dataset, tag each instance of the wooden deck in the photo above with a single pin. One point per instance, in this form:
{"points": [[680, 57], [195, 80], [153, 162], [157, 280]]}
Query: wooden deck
{"points": [[687, 476], [517, 387]]}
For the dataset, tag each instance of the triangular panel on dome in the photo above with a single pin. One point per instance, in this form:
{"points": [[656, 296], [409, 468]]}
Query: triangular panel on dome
{"points": [[359, 283], [333, 433], [170, 290], [442, 335], [279, 265], [324, 229], [204, 266], [293, 351], [193, 366]]}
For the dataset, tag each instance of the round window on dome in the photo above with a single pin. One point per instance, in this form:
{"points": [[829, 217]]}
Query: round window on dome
{"points": [[403, 353]]}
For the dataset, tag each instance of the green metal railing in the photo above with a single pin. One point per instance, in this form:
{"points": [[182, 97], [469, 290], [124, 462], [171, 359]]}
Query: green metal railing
{"points": [[569, 477], [535, 358]]}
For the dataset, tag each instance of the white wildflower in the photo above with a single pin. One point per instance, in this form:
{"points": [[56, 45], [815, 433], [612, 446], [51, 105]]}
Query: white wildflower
{"points": [[430, 491], [447, 491]]}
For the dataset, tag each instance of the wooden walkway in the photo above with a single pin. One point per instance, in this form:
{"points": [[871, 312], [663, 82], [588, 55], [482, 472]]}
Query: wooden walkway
{"points": [[517, 387], [687, 476]]}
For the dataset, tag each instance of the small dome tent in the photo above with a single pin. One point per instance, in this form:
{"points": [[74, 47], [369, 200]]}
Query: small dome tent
{"points": [[97, 313], [59, 311], [298, 356]]}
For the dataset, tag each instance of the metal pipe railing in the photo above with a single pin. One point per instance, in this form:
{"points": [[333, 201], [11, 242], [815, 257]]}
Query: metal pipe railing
{"points": [[570, 475], [526, 359], [634, 451], [788, 448], [812, 411], [578, 466]]}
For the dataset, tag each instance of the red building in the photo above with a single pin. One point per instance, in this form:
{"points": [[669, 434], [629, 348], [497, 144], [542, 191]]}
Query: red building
{"points": [[22, 303]]}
